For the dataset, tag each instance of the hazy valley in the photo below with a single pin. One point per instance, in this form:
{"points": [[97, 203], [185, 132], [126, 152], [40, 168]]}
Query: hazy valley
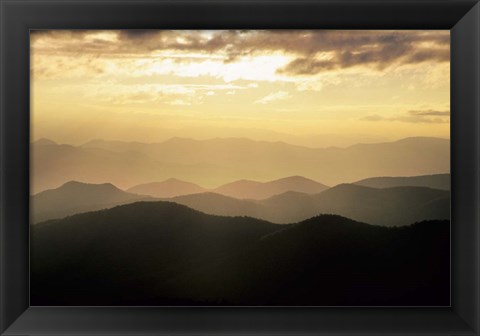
{"points": [[215, 162]]}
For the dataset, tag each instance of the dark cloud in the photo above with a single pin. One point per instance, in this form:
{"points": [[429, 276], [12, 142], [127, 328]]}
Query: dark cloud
{"points": [[440, 55], [378, 50], [138, 33], [422, 116], [304, 66], [58, 34], [314, 51]]}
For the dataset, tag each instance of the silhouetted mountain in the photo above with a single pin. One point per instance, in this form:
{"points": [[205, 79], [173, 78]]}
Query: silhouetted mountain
{"points": [[243, 189], [438, 181], [75, 197], [161, 253], [246, 189], [221, 205], [44, 142], [168, 188], [386, 207], [118, 146], [217, 161], [54, 165], [122, 250], [331, 260]]}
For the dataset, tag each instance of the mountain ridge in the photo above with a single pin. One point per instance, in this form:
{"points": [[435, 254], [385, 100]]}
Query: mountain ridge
{"points": [[171, 187], [388, 206], [216, 162], [248, 189], [183, 256], [435, 181], [75, 197], [188, 140]]}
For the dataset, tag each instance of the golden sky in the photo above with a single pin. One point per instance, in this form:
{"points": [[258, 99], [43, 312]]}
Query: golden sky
{"points": [[317, 88]]}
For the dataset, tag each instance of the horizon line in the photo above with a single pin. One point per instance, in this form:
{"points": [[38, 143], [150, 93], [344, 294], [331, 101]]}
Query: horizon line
{"points": [[231, 138]]}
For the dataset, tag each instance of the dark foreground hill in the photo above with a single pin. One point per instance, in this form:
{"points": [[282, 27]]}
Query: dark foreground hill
{"points": [[161, 253]]}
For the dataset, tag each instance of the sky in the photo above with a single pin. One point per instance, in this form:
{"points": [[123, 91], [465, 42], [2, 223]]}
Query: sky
{"points": [[315, 88]]}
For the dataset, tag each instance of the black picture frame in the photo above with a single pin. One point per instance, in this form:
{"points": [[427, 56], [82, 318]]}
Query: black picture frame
{"points": [[17, 17]]}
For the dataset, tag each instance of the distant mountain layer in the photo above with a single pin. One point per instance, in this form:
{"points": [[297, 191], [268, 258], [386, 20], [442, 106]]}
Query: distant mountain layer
{"points": [[386, 207], [219, 161], [168, 188], [162, 253], [44, 142], [438, 181], [243, 189], [76, 197]]}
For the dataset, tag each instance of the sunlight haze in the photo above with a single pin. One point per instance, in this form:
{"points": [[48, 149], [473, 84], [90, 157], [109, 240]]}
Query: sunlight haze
{"points": [[311, 88]]}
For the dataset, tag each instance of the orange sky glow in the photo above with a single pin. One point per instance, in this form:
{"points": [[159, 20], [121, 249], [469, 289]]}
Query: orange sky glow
{"points": [[314, 88]]}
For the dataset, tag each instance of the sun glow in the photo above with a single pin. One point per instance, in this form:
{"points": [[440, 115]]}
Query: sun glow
{"points": [[286, 82]]}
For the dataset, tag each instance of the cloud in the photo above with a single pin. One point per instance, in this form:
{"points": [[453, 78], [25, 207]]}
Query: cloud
{"points": [[414, 116], [378, 50], [280, 95], [375, 49]]}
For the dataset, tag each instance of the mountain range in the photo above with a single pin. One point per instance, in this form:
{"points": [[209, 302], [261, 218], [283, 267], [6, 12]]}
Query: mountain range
{"points": [[162, 253], [246, 189], [256, 228], [242, 189], [218, 161], [168, 188], [386, 206]]}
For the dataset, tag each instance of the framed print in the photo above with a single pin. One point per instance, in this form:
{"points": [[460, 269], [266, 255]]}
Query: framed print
{"points": [[183, 168], [196, 179]]}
